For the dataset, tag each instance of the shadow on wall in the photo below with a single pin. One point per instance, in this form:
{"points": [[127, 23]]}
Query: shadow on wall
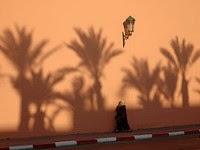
{"points": [[95, 56], [182, 59], [154, 86], [162, 80], [145, 82], [32, 86]]}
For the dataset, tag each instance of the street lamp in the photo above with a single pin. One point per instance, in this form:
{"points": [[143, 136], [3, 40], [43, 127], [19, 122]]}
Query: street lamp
{"points": [[128, 28]]}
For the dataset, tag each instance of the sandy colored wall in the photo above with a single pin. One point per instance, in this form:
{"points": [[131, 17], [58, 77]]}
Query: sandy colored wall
{"points": [[157, 23]]}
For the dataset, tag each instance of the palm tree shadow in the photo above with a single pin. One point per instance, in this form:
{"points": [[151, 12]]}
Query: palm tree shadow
{"points": [[31, 86], [95, 56], [77, 99], [182, 59], [41, 93], [144, 81], [168, 84]]}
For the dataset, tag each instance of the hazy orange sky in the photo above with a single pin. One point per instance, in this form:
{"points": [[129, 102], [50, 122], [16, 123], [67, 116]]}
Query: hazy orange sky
{"points": [[157, 22]]}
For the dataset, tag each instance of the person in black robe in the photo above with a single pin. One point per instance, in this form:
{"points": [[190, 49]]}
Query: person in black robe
{"points": [[121, 118]]}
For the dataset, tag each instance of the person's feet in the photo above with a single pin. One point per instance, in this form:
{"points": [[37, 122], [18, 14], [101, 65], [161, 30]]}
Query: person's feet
{"points": [[129, 130]]}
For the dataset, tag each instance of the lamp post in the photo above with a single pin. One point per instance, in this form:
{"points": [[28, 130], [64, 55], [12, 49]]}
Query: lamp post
{"points": [[128, 28]]}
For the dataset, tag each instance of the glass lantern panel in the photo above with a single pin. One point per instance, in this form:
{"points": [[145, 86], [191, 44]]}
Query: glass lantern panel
{"points": [[130, 27], [126, 31]]}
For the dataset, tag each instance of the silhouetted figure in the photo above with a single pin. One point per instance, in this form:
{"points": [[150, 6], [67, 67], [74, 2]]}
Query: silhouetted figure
{"points": [[121, 118]]}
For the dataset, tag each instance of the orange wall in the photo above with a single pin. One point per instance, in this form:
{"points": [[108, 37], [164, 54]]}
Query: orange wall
{"points": [[157, 22]]}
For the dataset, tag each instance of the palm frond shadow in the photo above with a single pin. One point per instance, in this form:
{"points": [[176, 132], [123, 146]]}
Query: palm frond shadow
{"points": [[140, 77], [95, 56]]}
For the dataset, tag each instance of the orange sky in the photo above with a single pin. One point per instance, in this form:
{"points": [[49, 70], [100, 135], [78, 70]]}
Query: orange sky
{"points": [[157, 22]]}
